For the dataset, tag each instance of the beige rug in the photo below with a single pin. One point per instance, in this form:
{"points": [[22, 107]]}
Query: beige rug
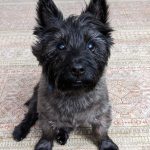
{"points": [[128, 73]]}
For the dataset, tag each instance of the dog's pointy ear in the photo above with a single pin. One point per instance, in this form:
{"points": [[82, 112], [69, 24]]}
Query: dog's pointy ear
{"points": [[99, 9], [47, 15]]}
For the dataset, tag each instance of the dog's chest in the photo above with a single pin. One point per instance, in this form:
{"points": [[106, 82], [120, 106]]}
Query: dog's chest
{"points": [[70, 112], [74, 115], [77, 119]]}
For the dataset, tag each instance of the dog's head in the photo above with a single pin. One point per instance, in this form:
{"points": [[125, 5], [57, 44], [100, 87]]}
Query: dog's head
{"points": [[73, 52]]}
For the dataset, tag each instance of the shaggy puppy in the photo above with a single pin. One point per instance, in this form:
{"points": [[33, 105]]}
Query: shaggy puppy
{"points": [[72, 92]]}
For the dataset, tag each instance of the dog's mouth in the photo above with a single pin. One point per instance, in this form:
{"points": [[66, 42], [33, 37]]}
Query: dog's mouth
{"points": [[77, 83], [71, 85], [74, 84]]}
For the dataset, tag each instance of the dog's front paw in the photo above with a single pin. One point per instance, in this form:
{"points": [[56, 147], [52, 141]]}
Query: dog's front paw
{"points": [[108, 145], [43, 145], [62, 137], [18, 133]]}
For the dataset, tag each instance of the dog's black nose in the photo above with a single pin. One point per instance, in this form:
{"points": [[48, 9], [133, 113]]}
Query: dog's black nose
{"points": [[77, 69]]}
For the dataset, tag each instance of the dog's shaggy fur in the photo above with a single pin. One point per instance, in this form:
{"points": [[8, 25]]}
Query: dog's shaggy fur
{"points": [[72, 91]]}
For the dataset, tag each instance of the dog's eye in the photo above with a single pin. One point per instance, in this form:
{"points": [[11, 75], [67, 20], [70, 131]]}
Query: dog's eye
{"points": [[61, 46], [91, 46]]}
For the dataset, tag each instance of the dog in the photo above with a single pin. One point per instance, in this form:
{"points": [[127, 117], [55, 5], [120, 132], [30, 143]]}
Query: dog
{"points": [[72, 90]]}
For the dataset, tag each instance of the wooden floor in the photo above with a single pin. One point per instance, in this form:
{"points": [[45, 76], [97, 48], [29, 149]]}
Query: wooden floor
{"points": [[128, 73]]}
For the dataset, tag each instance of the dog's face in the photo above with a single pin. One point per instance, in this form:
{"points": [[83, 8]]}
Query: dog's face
{"points": [[74, 51]]}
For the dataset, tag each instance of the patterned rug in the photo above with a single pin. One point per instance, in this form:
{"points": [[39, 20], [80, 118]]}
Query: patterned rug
{"points": [[128, 73]]}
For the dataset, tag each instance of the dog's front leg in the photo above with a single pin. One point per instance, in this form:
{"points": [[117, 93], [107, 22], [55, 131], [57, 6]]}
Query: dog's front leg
{"points": [[44, 144], [100, 130], [46, 141], [104, 142]]}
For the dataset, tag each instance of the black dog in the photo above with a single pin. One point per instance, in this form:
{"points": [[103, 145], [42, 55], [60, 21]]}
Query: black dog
{"points": [[72, 92]]}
